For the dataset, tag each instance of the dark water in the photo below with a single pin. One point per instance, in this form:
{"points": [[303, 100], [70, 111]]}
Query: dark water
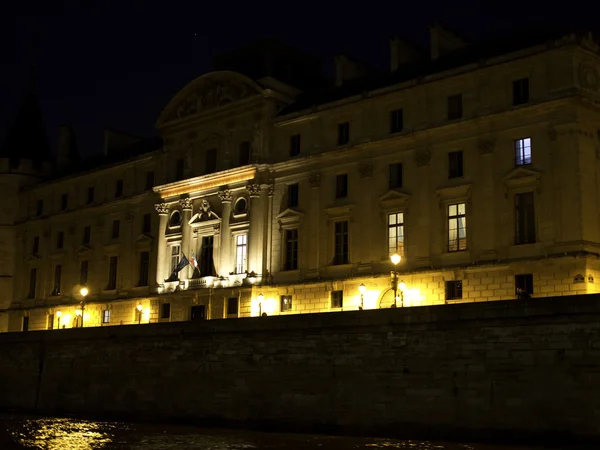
{"points": [[74, 434]]}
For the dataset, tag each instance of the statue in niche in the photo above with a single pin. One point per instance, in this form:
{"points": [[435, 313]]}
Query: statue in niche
{"points": [[204, 213]]}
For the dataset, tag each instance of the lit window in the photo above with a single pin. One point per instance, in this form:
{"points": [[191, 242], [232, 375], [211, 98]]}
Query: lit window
{"points": [[522, 151], [106, 316], [241, 253], [286, 303], [457, 227], [396, 233], [174, 257]]}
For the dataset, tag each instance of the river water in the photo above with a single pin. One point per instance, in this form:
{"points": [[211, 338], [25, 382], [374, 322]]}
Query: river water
{"points": [[17, 432]]}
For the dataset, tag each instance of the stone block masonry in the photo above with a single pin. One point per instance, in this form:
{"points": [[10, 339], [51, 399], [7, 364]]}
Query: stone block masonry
{"points": [[523, 369]]}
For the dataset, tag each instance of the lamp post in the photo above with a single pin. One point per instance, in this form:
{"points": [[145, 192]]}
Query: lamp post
{"points": [[139, 308], [395, 258], [402, 287], [362, 288], [58, 316], [84, 292], [260, 301]]}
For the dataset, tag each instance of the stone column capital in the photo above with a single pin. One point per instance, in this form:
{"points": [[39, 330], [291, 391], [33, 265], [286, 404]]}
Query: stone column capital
{"points": [[226, 196], [162, 209], [315, 180], [254, 190], [186, 204]]}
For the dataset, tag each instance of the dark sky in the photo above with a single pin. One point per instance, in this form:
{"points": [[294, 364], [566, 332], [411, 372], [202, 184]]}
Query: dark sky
{"points": [[116, 64]]}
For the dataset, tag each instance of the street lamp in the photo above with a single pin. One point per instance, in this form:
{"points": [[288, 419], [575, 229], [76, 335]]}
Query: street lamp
{"points": [[260, 301], [402, 287], [58, 316], [362, 288], [396, 258], [139, 308], [84, 292]]}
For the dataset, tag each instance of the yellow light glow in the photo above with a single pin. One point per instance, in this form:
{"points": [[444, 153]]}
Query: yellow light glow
{"points": [[362, 288], [205, 182], [78, 312], [413, 297], [260, 305], [396, 258], [84, 291], [66, 321], [139, 307], [370, 299], [58, 314], [402, 286]]}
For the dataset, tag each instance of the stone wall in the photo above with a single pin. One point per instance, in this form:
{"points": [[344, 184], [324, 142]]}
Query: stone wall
{"points": [[495, 369]]}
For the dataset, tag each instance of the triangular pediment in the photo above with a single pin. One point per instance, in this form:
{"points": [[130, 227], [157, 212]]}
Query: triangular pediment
{"points": [[290, 214], [83, 250], [32, 258], [455, 192], [394, 199], [143, 241], [521, 177]]}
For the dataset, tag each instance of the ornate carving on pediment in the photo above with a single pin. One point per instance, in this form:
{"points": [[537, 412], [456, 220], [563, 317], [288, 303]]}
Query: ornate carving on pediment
{"points": [[226, 196], [205, 213], [213, 95], [186, 204], [315, 180], [366, 170], [162, 208], [422, 157], [254, 190], [486, 146]]}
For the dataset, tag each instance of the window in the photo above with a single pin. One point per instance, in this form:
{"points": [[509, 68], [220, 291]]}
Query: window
{"points": [[25, 323], [119, 189], [115, 229], [87, 234], [396, 233], [292, 190], [106, 316], [455, 164], [64, 202], [175, 249], [341, 243], [32, 283], [149, 180], [286, 303], [57, 279], [175, 219], [395, 175], [36, 245], [60, 240], [90, 195], [112, 273], [232, 306], [522, 152], [83, 273], [147, 223], [520, 91], [144, 268], [39, 208], [523, 284], [455, 107], [295, 145], [341, 186], [524, 218], [454, 290], [179, 169], [291, 249], [240, 206], [210, 160], [337, 299], [50, 322], [457, 227], [244, 154], [396, 121], [207, 266], [165, 311], [343, 133], [241, 246]]}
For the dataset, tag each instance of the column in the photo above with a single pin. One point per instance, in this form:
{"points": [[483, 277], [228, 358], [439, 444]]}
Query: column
{"points": [[226, 257], [314, 239], [186, 206], [255, 233], [161, 258]]}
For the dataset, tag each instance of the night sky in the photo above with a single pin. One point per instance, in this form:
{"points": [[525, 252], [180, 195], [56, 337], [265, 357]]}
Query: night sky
{"points": [[116, 64]]}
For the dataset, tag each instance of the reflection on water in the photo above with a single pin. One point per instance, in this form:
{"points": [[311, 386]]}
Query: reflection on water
{"points": [[74, 434]]}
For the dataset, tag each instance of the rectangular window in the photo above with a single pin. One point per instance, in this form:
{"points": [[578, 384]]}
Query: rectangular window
{"points": [[39, 208], [337, 299], [165, 311], [144, 268], [454, 290], [64, 202], [341, 243], [457, 227], [455, 107], [210, 160], [396, 233], [292, 191], [83, 273], [395, 180], [87, 235], [241, 247], [119, 189], [106, 316], [244, 154], [524, 218], [36, 245], [341, 186], [116, 225], [179, 169], [295, 145], [522, 152], [207, 266], [90, 195], [523, 284], [455, 164], [232, 306], [149, 180], [25, 326], [50, 322], [291, 249], [57, 279], [32, 283], [520, 91], [343, 133], [175, 250], [286, 303], [112, 273], [60, 240], [396, 121], [147, 223]]}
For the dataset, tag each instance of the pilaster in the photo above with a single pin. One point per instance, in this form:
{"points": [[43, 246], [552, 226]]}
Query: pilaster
{"points": [[161, 257], [225, 265]]}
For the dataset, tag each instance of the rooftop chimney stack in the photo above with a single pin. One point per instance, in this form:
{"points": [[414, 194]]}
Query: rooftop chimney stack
{"points": [[67, 147], [347, 69], [444, 41], [402, 52]]}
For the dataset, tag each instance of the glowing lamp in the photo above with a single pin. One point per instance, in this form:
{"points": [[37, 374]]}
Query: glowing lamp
{"points": [[78, 312], [402, 286], [139, 307], [260, 298], [362, 288], [396, 258], [58, 314], [84, 291]]}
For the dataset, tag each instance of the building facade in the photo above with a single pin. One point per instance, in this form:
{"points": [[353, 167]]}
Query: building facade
{"points": [[482, 174]]}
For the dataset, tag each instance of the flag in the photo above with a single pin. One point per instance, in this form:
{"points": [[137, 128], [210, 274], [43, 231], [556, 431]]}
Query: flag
{"points": [[182, 263], [193, 261]]}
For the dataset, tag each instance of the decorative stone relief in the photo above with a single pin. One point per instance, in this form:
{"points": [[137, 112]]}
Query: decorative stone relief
{"points": [[271, 188], [486, 146], [315, 180], [254, 190], [226, 196], [588, 76], [578, 278], [422, 157], [162, 208], [205, 212], [195, 233], [186, 204], [213, 95], [366, 170]]}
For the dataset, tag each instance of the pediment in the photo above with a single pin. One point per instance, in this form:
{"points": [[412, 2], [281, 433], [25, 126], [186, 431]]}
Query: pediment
{"points": [[289, 216], [521, 176], [339, 211], [32, 258], [143, 241], [394, 199], [83, 250], [459, 191]]}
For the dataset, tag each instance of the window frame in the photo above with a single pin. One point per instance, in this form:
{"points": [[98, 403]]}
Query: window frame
{"points": [[456, 165], [342, 258], [524, 214], [287, 301], [399, 250], [243, 248], [334, 303], [456, 217], [396, 120], [451, 289], [343, 133]]}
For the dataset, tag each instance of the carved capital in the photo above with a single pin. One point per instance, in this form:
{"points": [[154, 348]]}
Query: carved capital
{"points": [[186, 204], [422, 157], [366, 170], [486, 146], [162, 208], [315, 180], [254, 190], [271, 189], [226, 196]]}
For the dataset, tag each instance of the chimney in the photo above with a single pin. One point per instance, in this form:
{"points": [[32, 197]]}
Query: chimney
{"points": [[402, 52], [444, 41], [347, 69], [67, 147]]}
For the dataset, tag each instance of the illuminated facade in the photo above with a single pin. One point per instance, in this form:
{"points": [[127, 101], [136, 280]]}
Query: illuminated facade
{"points": [[482, 175]]}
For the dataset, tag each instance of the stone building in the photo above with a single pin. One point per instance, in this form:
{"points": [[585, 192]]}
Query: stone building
{"points": [[477, 164]]}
